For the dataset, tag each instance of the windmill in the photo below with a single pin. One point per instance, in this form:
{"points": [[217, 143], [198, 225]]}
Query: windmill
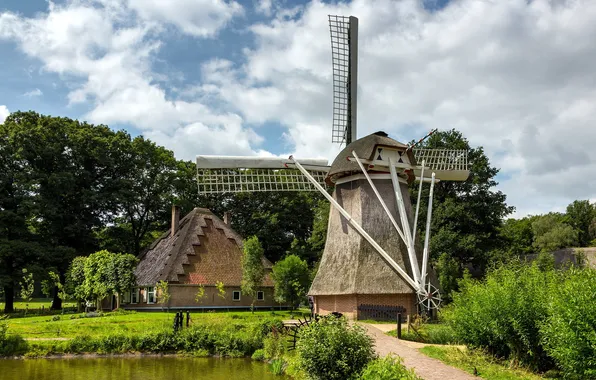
{"points": [[372, 255]]}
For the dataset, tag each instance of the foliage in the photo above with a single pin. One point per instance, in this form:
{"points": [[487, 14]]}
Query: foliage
{"points": [[552, 232], [467, 215], [484, 365], [450, 272], [274, 346], [53, 282], [222, 334], [27, 285], [292, 279], [518, 235], [163, 292], [333, 349], [569, 334], [431, 333], [581, 215], [101, 274], [221, 289], [504, 312], [200, 294], [277, 366], [253, 271], [388, 368], [258, 355], [11, 345]]}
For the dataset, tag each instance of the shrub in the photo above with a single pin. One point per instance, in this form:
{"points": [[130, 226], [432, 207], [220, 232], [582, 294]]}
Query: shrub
{"points": [[331, 349], [388, 368], [569, 333], [503, 313], [11, 344], [277, 366], [274, 346], [258, 354]]}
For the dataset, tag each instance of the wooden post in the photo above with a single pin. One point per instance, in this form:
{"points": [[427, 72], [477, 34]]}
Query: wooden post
{"points": [[398, 325], [408, 323], [187, 318]]}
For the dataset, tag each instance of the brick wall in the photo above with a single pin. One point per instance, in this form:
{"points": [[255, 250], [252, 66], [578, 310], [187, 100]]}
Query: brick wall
{"points": [[348, 304]]}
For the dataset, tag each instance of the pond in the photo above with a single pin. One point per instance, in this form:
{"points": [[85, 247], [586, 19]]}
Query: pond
{"points": [[134, 368]]}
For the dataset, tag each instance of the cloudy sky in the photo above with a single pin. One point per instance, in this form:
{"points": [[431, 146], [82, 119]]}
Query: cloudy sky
{"points": [[254, 77]]}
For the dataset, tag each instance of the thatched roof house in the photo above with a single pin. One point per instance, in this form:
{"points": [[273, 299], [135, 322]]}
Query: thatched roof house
{"points": [[199, 250], [351, 272]]}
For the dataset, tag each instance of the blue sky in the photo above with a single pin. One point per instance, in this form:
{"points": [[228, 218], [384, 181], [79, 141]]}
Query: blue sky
{"points": [[254, 77]]}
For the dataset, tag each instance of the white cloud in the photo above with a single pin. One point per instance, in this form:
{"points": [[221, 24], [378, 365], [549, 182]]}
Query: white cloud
{"points": [[264, 7], [3, 113], [202, 18], [33, 93], [109, 52], [513, 76]]}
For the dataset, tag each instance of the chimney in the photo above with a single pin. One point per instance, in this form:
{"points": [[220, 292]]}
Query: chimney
{"points": [[227, 218], [175, 219]]}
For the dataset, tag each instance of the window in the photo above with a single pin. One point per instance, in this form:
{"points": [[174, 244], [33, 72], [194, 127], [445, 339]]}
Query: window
{"points": [[135, 296], [236, 295], [151, 295], [126, 297], [260, 296]]}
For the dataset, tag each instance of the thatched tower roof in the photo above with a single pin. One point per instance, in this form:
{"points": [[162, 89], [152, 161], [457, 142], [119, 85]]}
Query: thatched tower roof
{"points": [[203, 250], [365, 148]]}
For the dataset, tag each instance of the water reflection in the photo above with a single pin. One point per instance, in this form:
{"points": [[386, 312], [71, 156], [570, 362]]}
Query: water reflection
{"points": [[134, 368]]}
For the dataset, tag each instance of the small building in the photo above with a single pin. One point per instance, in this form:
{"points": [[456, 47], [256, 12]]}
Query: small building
{"points": [[199, 251]]}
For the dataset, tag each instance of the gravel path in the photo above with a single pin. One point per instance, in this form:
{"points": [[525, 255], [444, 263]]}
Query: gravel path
{"points": [[425, 367]]}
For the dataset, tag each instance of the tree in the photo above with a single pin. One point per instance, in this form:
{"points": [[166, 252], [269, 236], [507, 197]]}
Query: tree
{"points": [[518, 235], [292, 279], [580, 215], [551, 232], [221, 289], [253, 271], [101, 274], [163, 292], [467, 215]]}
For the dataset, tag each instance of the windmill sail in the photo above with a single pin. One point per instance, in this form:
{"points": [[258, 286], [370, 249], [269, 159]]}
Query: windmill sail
{"points": [[235, 174], [344, 53]]}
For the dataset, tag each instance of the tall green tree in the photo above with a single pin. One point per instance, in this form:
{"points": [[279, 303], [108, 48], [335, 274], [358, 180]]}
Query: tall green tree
{"points": [[581, 214], [253, 270], [552, 232], [467, 215], [518, 235], [292, 279]]}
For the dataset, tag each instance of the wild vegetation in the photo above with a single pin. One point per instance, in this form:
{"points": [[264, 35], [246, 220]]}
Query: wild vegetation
{"points": [[533, 315]]}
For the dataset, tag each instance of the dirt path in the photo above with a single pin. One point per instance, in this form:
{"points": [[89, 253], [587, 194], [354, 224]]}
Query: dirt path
{"points": [[425, 367]]}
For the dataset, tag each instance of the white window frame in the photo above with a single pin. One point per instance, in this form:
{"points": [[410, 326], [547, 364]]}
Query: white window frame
{"points": [[262, 296], [135, 296], [150, 292], [234, 295]]}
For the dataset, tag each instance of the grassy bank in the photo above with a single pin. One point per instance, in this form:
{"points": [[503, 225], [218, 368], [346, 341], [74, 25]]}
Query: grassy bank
{"points": [[431, 333], [231, 334], [476, 362]]}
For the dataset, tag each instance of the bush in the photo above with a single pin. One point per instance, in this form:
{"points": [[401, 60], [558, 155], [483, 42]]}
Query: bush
{"points": [[11, 345], [258, 354], [331, 349], [569, 334], [503, 313], [274, 346], [388, 368]]}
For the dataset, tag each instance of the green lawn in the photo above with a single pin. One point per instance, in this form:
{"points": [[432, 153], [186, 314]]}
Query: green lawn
{"points": [[487, 367], [71, 325], [36, 304], [434, 333]]}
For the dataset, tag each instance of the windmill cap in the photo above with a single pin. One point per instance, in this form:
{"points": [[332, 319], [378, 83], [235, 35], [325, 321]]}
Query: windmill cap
{"points": [[365, 149]]}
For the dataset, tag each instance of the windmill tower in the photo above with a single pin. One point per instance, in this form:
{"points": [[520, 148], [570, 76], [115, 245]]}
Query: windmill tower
{"points": [[372, 255]]}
